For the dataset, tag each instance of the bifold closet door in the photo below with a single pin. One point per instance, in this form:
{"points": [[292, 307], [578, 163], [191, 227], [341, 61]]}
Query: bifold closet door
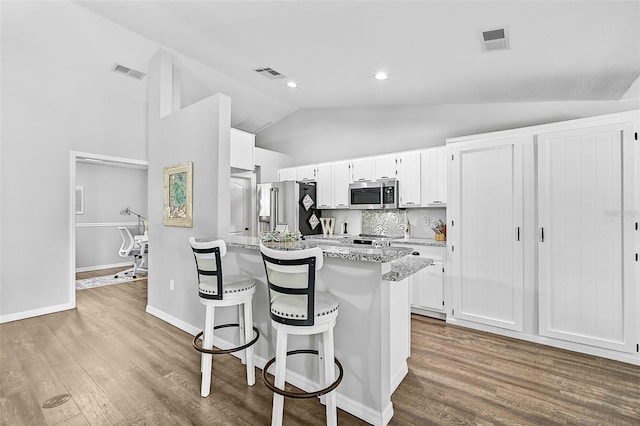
{"points": [[585, 198]]}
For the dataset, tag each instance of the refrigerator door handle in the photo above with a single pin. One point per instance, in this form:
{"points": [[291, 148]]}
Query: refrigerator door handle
{"points": [[274, 209]]}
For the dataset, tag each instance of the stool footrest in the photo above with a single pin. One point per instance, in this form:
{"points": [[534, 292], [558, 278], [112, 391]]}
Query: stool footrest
{"points": [[301, 394], [199, 347]]}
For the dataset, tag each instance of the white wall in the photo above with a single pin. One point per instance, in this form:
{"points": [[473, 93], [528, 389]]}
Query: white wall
{"points": [[318, 135], [269, 162], [58, 94], [199, 133]]}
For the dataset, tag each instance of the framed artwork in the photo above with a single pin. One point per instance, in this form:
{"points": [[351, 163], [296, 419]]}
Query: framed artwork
{"points": [[178, 195]]}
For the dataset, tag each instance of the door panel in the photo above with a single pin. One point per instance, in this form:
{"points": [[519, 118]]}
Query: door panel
{"points": [[586, 286]]}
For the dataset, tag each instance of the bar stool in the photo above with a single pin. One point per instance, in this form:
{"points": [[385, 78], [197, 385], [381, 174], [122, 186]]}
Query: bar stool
{"points": [[297, 309], [217, 290]]}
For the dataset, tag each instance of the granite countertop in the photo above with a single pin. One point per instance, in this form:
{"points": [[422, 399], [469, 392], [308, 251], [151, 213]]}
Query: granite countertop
{"points": [[330, 248], [418, 242], [406, 266]]}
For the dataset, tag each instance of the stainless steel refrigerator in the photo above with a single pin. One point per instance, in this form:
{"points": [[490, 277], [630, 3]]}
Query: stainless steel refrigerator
{"points": [[289, 203]]}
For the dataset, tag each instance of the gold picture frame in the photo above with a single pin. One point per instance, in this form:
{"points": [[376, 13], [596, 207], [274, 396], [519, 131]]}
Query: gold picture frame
{"points": [[178, 195]]}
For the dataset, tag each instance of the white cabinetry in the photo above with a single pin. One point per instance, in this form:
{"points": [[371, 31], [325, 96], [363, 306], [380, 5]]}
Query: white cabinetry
{"points": [[363, 169], [427, 285], [341, 180], [241, 149], [385, 167], [485, 218], [287, 174], [306, 173], [409, 181], [324, 186], [586, 181], [433, 166]]}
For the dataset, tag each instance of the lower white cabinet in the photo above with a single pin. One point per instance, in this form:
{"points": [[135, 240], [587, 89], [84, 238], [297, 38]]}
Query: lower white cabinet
{"points": [[427, 285]]}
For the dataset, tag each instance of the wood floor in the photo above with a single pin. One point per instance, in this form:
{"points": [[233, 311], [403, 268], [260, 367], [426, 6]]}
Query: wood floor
{"points": [[122, 366]]}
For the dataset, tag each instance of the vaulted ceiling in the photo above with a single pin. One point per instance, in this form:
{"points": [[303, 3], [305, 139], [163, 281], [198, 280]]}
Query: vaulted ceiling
{"points": [[431, 50]]}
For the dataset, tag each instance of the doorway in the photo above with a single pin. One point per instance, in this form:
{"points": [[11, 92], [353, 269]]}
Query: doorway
{"points": [[243, 205], [83, 218]]}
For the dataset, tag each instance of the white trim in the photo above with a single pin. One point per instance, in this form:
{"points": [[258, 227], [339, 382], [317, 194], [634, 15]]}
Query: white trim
{"points": [[188, 328], [74, 157], [105, 224], [99, 267], [36, 312]]}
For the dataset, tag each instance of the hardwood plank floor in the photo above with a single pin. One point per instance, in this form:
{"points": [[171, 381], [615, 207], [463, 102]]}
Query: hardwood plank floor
{"points": [[122, 366]]}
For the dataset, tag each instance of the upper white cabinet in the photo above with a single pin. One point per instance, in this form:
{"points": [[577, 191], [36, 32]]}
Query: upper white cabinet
{"points": [[241, 149], [341, 180], [325, 185], [307, 173], [287, 174], [586, 180], [385, 167], [434, 177], [333, 185], [409, 178], [485, 217], [363, 169]]}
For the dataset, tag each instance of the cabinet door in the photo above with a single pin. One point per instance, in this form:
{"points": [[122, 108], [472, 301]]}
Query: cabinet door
{"points": [[287, 174], [341, 180], [385, 167], [324, 186], [428, 288], [306, 173], [241, 149], [363, 169], [434, 187], [586, 251], [485, 215], [409, 179]]}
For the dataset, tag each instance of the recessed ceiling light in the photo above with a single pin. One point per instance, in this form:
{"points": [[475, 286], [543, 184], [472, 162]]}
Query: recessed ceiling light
{"points": [[381, 76], [292, 84]]}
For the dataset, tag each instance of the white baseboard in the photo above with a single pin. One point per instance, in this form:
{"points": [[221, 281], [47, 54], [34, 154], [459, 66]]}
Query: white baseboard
{"points": [[99, 267], [35, 312], [344, 403]]}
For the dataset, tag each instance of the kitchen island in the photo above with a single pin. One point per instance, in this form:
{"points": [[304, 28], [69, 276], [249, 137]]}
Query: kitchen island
{"points": [[372, 333]]}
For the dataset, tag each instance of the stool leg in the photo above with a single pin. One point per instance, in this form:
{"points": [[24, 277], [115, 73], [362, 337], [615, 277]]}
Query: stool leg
{"points": [[329, 376], [207, 343], [243, 334], [281, 366], [248, 335], [321, 378]]}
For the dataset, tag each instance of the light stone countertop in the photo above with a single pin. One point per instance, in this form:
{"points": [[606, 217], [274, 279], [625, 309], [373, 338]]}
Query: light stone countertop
{"points": [[330, 248], [402, 263], [418, 242]]}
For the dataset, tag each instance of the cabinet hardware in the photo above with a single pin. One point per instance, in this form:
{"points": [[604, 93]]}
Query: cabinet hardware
{"points": [[636, 135], [384, 177], [451, 157], [517, 233], [636, 257], [451, 248], [636, 226], [638, 347], [541, 234], [443, 303], [409, 202], [436, 202], [452, 223]]}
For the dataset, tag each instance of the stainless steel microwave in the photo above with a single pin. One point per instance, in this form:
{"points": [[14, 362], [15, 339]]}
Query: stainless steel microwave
{"points": [[379, 194]]}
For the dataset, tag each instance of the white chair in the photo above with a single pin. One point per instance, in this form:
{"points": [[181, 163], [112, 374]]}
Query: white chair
{"points": [[217, 290], [129, 248], [296, 308]]}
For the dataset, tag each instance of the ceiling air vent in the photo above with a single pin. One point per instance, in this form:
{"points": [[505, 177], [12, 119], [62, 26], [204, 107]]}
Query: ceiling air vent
{"points": [[252, 125], [495, 40], [128, 71], [270, 73]]}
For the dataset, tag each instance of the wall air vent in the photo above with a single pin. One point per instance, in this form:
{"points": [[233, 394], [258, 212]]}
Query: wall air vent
{"points": [[495, 40], [121, 69], [270, 73]]}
